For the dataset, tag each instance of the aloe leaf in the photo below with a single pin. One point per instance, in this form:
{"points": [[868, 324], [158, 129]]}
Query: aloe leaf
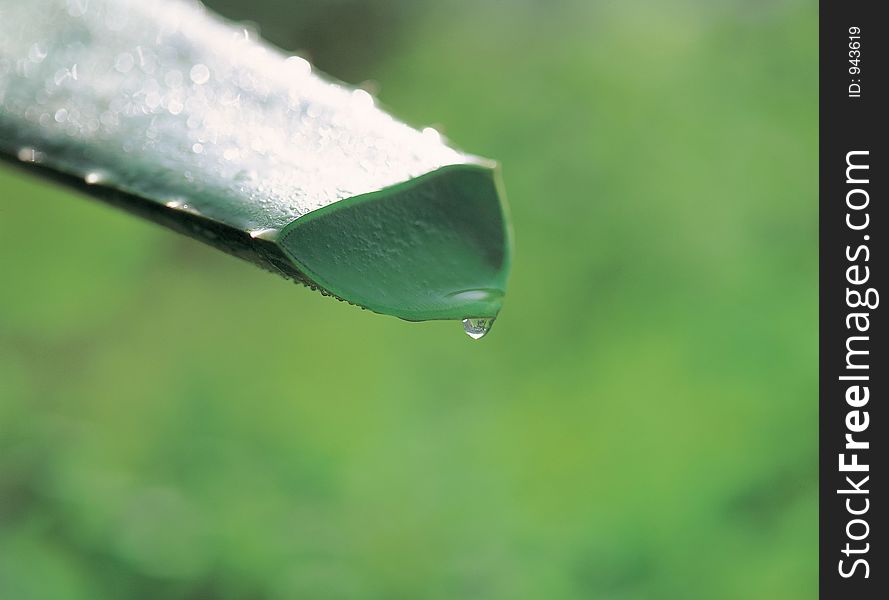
{"points": [[167, 111]]}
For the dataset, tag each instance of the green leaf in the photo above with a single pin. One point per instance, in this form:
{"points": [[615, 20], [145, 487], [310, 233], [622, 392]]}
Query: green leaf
{"points": [[167, 111]]}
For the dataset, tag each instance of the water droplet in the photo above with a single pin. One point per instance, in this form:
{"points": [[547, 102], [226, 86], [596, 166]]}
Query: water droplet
{"points": [[93, 177], [140, 53], [36, 53], [61, 75], [200, 74], [152, 100], [298, 66], [476, 295], [124, 62], [432, 134], [29, 155], [477, 327], [362, 99], [264, 234]]}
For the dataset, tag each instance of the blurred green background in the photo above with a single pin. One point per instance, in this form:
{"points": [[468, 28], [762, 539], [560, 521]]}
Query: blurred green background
{"points": [[641, 422]]}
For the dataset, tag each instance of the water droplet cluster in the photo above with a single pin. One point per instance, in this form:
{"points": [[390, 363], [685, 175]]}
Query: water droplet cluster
{"points": [[166, 101]]}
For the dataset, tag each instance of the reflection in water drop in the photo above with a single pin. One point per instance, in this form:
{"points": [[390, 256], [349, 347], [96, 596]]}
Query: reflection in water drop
{"points": [[477, 327]]}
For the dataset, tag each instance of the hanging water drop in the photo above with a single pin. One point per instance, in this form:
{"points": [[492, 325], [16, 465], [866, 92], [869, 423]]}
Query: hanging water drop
{"points": [[477, 327]]}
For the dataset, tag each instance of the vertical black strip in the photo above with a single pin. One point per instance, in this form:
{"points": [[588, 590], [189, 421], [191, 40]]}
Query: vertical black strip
{"points": [[853, 364]]}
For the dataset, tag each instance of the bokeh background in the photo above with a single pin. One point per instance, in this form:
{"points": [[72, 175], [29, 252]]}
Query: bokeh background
{"points": [[640, 423]]}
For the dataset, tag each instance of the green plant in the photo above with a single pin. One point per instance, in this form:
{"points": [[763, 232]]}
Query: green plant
{"points": [[188, 121]]}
